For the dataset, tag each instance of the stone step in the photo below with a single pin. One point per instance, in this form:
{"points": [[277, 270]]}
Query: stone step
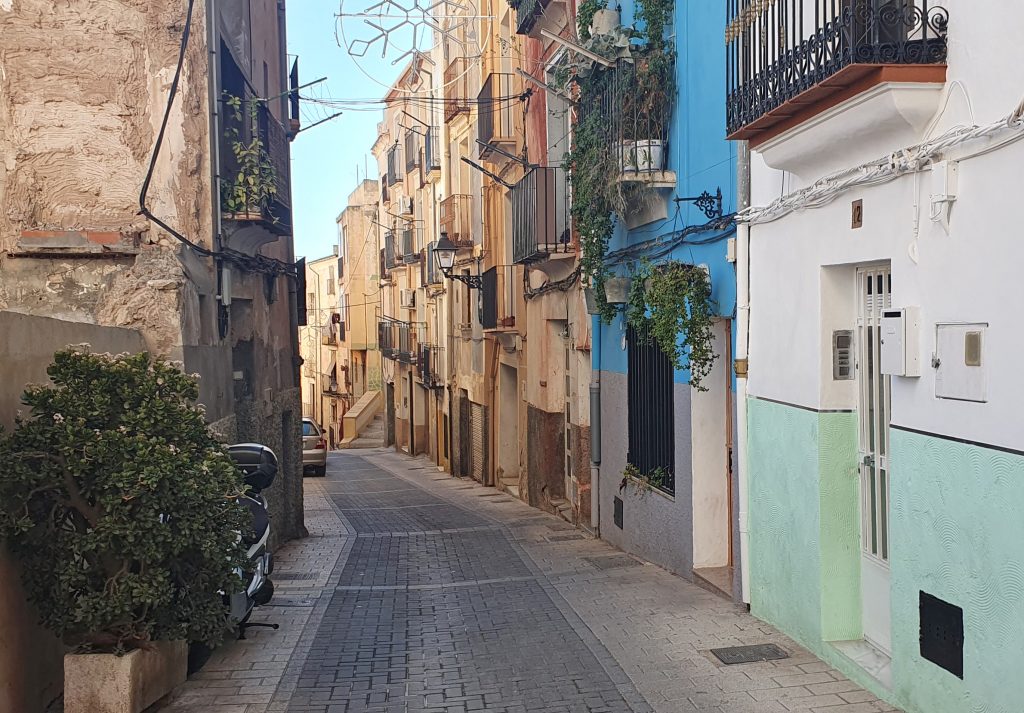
{"points": [[563, 509]]}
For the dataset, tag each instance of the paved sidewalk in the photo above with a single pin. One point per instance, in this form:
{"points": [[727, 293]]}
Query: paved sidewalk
{"points": [[420, 592]]}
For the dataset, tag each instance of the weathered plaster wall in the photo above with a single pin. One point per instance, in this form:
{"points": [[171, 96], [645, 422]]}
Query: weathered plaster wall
{"points": [[31, 670], [956, 533], [545, 460]]}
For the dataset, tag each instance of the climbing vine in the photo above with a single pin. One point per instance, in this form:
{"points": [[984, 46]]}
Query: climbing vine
{"points": [[671, 304], [640, 88]]}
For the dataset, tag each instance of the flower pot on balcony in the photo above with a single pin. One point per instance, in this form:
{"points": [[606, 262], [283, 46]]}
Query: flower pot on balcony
{"points": [[616, 290], [649, 155], [605, 21], [107, 683]]}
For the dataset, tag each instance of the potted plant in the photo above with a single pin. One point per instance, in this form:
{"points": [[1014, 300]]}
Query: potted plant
{"points": [[616, 290], [249, 189], [121, 507]]}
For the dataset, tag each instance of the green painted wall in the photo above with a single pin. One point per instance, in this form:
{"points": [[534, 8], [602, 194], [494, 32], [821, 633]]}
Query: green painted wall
{"points": [[957, 532], [804, 520]]}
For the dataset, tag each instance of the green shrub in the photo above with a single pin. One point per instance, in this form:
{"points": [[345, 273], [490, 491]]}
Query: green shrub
{"points": [[120, 505]]}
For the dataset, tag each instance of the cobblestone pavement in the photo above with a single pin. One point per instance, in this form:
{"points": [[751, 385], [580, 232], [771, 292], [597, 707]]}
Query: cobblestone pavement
{"points": [[420, 592]]}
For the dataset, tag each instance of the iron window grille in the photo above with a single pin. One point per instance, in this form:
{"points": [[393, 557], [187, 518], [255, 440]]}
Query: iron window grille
{"points": [[498, 296], [651, 413], [390, 256], [412, 152], [399, 341], [412, 238], [776, 51], [396, 171], [456, 88], [432, 149], [496, 122]]}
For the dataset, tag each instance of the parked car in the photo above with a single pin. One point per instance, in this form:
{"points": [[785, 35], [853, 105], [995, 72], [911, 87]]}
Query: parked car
{"points": [[314, 448]]}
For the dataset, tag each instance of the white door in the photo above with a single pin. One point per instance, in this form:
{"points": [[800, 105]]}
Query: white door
{"points": [[874, 287]]}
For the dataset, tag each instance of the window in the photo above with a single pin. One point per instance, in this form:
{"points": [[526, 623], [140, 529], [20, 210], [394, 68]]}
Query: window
{"points": [[650, 388], [309, 428]]}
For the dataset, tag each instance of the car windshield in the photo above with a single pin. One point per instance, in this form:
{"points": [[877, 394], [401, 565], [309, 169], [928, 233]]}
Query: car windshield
{"points": [[309, 429]]}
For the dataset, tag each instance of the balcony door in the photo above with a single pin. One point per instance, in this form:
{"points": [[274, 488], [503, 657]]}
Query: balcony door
{"points": [[874, 287]]}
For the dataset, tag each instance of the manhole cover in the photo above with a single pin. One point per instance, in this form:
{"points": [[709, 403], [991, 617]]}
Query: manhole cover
{"points": [[614, 562], [566, 537], [295, 575], [749, 654]]}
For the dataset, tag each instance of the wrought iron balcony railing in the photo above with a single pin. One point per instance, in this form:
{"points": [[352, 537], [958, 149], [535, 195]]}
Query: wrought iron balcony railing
{"points": [[412, 151], [456, 88], [457, 219], [527, 12], [251, 121], [501, 287], [540, 215], [396, 171], [390, 255], [431, 366], [497, 125], [434, 274], [412, 238], [399, 341], [432, 149], [778, 51]]}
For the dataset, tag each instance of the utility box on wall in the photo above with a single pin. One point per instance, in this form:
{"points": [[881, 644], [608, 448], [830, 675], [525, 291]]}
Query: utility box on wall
{"points": [[960, 362], [900, 342]]}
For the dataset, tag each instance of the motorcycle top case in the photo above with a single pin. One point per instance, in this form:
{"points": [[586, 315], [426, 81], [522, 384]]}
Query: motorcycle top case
{"points": [[257, 463]]}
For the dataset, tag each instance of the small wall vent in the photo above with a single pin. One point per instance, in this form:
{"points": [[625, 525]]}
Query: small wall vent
{"points": [[942, 634], [618, 512]]}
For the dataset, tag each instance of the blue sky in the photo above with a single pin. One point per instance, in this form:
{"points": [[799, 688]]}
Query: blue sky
{"points": [[324, 159]]}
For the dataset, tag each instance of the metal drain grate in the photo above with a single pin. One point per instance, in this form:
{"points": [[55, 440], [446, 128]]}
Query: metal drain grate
{"points": [[295, 575], [749, 654], [613, 562]]}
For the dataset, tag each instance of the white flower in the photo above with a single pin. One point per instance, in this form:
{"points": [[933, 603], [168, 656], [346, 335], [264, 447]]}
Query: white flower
{"points": [[57, 418]]}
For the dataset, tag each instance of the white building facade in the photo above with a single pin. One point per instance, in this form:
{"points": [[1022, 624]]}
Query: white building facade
{"points": [[884, 461]]}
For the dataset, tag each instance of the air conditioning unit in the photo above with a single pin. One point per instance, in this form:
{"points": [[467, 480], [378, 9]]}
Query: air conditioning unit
{"points": [[407, 299], [405, 205]]}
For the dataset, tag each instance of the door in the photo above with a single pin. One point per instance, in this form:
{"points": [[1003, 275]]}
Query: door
{"points": [[477, 428], [874, 286]]}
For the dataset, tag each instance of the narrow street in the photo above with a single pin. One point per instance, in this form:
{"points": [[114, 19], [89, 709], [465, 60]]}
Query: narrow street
{"points": [[420, 592]]}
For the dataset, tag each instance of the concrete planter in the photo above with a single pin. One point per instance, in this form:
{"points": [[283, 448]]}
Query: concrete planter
{"points": [[105, 683], [616, 290]]}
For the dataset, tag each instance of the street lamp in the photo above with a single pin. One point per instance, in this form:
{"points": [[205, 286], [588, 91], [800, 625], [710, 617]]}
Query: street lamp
{"points": [[444, 254]]}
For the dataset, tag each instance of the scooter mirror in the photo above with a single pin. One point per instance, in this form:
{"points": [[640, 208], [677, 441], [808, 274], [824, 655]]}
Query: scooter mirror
{"points": [[257, 463]]}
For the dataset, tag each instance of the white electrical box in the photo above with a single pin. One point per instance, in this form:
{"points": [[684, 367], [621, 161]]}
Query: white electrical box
{"points": [[961, 370], [900, 342], [945, 181]]}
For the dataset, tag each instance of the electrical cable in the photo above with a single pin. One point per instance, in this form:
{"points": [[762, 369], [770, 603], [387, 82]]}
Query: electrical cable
{"points": [[911, 160]]}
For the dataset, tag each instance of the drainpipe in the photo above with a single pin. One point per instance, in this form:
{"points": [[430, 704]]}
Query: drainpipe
{"points": [[742, 347], [595, 427]]}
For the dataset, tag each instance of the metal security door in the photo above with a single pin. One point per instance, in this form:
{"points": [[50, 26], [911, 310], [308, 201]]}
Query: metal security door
{"points": [[477, 428], [874, 289]]}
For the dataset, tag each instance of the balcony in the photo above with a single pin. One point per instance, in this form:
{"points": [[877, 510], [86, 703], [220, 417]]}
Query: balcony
{"points": [[534, 15], [412, 151], [457, 219], [432, 153], [540, 216], [255, 172], [792, 60], [399, 341], [431, 366], [434, 275], [385, 194], [501, 286], [497, 125], [390, 256], [396, 171], [412, 238], [456, 89]]}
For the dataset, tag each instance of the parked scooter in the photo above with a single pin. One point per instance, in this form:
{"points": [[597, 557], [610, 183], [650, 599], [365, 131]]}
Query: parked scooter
{"points": [[259, 468]]}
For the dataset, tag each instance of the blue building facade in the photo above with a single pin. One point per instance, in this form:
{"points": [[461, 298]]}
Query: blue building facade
{"points": [[688, 524]]}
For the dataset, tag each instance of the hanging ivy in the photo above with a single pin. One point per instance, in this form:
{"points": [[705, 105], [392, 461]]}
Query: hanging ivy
{"points": [[670, 301], [641, 89]]}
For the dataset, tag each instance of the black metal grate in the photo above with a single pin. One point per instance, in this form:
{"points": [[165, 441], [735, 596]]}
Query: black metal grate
{"points": [[651, 387], [617, 514], [942, 634], [749, 654]]}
